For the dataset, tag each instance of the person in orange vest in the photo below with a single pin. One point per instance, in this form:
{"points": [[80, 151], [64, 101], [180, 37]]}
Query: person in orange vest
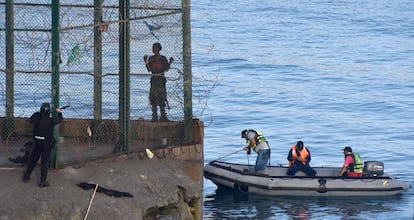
{"points": [[299, 158]]}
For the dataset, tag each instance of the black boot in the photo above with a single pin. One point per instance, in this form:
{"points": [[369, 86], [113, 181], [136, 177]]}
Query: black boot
{"points": [[26, 178], [44, 184]]}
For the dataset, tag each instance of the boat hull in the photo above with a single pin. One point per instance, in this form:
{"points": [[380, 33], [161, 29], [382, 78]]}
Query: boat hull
{"points": [[275, 182]]}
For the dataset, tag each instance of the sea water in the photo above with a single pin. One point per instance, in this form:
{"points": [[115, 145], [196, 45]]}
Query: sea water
{"points": [[329, 73]]}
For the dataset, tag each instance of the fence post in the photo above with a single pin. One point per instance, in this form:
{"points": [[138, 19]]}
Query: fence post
{"points": [[188, 105], [97, 45], [55, 77], [124, 87], [9, 125]]}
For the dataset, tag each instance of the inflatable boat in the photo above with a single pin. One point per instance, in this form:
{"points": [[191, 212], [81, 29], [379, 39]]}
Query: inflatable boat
{"points": [[275, 182]]}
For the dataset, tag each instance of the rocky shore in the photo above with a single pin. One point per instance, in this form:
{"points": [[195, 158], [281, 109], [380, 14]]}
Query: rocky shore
{"points": [[160, 190]]}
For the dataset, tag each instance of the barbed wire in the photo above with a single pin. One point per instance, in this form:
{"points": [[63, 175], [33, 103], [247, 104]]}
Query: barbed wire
{"points": [[150, 21]]}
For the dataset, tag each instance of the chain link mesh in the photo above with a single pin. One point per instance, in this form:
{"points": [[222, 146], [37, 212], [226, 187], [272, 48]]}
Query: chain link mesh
{"points": [[149, 21]]}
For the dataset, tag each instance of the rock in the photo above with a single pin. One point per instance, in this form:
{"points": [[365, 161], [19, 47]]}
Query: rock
{"points": [[159, 187]]}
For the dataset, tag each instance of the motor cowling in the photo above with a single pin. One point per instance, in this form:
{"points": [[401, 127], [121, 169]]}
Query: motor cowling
{"points": [[373, 168]]}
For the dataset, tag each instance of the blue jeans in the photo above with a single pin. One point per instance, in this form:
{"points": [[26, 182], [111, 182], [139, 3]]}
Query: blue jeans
{"points": [[263, 157]]}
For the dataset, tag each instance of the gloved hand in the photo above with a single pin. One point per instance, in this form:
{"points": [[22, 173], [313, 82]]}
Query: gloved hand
{"points": [[248, 149]]}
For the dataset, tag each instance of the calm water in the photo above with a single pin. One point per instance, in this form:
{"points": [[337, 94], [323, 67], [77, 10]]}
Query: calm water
{"points": [[331, 73]]}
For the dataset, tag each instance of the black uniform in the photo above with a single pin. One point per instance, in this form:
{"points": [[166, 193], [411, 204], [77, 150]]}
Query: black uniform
{"points": [[43, 136]]}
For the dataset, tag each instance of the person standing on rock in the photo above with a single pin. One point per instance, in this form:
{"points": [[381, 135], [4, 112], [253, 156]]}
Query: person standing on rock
{"points": [[43, 136]]}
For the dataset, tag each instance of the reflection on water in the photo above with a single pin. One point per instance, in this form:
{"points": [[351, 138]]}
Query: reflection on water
{"points": [[229, 204]]}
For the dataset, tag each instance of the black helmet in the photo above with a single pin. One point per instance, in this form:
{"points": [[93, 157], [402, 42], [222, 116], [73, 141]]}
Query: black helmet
{"points": [[45, 108]]}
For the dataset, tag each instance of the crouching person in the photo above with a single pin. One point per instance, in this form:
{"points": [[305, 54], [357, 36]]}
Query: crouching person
{"points": [[256, 141], [299, 158]]}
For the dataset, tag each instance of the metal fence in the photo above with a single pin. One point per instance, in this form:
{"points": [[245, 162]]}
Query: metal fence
{"points": [[101, 72]]}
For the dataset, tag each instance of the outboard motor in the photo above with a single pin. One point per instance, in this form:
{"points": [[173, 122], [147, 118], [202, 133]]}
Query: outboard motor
{"points": [[373, 168]]}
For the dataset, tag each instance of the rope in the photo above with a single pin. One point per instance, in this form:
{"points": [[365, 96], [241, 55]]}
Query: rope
{"points": [[228, 155]]}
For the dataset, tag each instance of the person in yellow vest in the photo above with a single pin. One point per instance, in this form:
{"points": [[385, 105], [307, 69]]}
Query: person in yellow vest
{"points": [[299, 158], [352, 165], [256, 141]]}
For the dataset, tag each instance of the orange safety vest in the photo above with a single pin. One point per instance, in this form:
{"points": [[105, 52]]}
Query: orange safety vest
{"points": [[303, 154]]}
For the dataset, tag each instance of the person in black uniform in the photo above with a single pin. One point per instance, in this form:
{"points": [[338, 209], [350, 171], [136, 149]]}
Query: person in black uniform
{"points": [[43, 136]]}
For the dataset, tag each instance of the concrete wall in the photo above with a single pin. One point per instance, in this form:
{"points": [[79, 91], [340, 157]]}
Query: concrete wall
{"points": [[107, 129]]}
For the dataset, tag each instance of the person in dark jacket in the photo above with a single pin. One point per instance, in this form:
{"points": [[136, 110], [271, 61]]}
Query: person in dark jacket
{"points": [[43, 136], [299, 158]]}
